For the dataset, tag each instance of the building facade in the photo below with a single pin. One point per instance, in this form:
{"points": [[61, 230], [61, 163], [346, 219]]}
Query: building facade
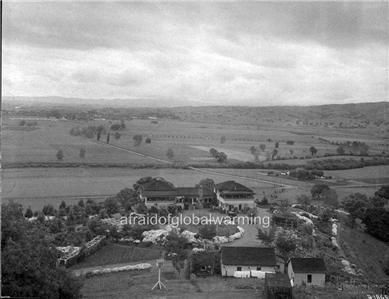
{"points": [[250, 260], [307, 271], [234, 196]]}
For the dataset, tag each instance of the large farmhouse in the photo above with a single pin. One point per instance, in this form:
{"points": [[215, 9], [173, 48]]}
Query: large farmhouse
{"points": [[161, 193], [308, 271], [194, 197], [247, 261], [232, 195], [158, 192]]}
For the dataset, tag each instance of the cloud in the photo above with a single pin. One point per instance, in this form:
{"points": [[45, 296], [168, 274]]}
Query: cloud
{"points": [[251, 53]]}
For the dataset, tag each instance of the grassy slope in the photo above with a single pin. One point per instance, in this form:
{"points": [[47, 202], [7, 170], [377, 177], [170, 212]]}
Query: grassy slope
{"points": [[365, 251]]}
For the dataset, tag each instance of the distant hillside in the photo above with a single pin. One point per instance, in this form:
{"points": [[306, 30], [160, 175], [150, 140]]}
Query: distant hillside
{"points": [[342, 115]]}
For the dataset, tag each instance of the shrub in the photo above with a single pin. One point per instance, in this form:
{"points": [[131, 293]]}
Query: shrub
{"points": [[82, 153], [137, 139], [115, 127], [59, 155], [207, 231]]}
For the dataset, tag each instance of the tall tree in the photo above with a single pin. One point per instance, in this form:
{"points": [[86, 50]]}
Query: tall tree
{"points": [[313, 150], [170, 154], [29, 261], [59, 155]]}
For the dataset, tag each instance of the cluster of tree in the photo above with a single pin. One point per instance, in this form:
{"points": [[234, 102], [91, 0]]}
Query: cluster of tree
{"points": [[29, 260], [323, 164], [176, 250], [371, 211], [303, 174], [220, 157], [88, 132], [267, 237], [338, 164], [137, 139], [255, 151], [286, 244], [324, 193], [353, 148], [170, 153], [206, 261], [60, 154], [23, 123], [119, 126]]}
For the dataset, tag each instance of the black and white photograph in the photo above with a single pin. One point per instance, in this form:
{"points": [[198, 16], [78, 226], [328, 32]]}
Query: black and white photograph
{"points": [[194, 149]]}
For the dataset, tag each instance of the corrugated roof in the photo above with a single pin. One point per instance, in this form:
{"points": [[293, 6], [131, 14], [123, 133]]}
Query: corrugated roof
{"points": [[308, 265], [248, 256], [232, 186]]}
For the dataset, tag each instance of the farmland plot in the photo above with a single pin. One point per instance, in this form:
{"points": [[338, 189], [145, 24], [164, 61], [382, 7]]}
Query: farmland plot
{"points": [[42, 144], [36, 187]]}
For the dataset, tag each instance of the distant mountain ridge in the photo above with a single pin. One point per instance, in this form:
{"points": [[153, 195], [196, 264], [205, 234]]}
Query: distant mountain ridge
{"points": [[196, 111]]}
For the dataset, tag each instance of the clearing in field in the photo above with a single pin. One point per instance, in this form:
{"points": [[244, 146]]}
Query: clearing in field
{"points": [[119, 254]]}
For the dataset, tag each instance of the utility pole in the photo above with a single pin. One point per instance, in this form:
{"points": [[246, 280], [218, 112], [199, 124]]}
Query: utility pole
{"points": [[159, 283]]}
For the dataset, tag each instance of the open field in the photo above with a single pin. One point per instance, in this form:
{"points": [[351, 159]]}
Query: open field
{"points": [[190, 141], [139, 284], [371, 173], [119, 254], [42, 144], [36, 187]]}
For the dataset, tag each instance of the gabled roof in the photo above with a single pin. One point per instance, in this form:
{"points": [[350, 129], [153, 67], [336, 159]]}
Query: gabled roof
{"points": [[248, 256], [308, 265], [158, 184], [232, 186]]}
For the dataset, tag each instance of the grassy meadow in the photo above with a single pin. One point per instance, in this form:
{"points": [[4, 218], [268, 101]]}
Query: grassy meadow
{"points": [[190, 142]]}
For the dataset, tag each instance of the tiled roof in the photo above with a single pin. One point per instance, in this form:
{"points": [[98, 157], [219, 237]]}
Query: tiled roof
{"points": [[232, 186], [248, 256], [308, 265]]}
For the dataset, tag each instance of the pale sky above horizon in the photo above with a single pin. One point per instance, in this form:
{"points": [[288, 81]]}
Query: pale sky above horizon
{"points": [[210, 53]]}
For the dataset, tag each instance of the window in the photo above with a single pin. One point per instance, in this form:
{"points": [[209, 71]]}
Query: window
{"points": [[309, 278], [259, 268], [238, 268]]}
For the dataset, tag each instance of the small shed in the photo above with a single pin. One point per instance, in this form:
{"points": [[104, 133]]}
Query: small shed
{"points": [[277, 286], [307, 271]]}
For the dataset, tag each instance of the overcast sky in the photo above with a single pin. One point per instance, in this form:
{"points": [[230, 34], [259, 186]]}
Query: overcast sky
{"points": [[251, 53]]}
